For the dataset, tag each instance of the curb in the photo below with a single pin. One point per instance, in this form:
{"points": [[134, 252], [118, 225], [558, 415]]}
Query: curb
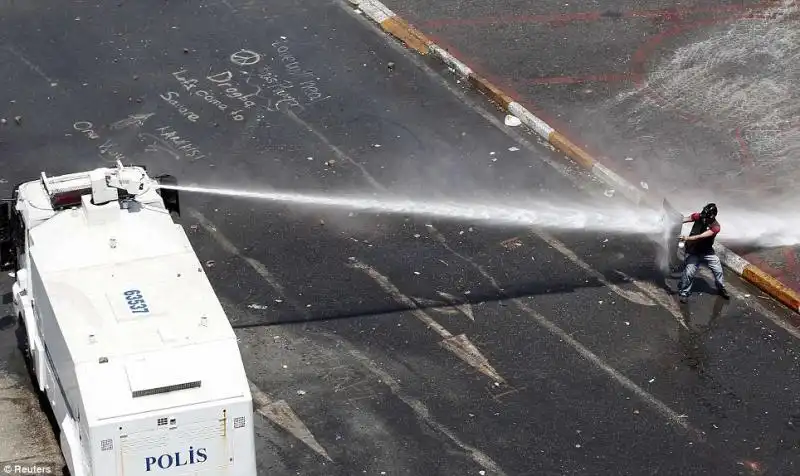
{"points": [[393, 24]]}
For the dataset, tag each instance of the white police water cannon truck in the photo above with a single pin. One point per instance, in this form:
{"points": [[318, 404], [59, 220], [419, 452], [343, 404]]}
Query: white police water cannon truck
{"points": [[123, 333]]}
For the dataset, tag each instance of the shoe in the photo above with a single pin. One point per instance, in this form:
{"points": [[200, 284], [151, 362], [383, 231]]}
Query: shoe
{"points": [[724, 293]]}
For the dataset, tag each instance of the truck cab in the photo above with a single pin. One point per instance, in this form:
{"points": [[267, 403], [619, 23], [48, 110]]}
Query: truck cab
{"points": [[126, 337]]}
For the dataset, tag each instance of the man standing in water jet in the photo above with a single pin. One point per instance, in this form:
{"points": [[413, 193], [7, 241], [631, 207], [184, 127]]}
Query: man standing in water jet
{"points": [[699, 247]]}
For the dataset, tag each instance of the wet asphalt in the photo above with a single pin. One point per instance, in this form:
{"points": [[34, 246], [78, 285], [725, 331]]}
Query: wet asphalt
{"points": [[564, 353], [596, 71]]}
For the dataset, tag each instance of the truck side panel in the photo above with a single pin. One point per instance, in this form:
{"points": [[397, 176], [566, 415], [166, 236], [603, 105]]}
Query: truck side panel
{"points": [[57, 355]]}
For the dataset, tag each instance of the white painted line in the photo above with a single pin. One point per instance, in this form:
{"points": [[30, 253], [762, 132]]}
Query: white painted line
{"points": [[459, 345], [753, 303], [662, 408], [465, 308], [257, 266], [660, 296], [538, 125], [651, 400], [632, 296], [338, 152], [424, 414], [32, 66], [395, 293], [280, 413]]}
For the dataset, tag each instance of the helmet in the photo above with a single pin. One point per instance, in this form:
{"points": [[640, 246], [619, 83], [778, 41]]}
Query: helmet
{"points": [[709, 212]]}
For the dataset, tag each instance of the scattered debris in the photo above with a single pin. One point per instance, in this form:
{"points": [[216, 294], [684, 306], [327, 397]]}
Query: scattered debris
{"points": [[513, 149], [644, 185], [279, 301], [210, 263], [628, 158], [309, 158], [260, 307], [186, 51], [512, 121], [3, 121], [390, 65], [376, 145], [651, 380], [18, 120], [416, 272], [609, 193], [301, 392], [511, 243]]}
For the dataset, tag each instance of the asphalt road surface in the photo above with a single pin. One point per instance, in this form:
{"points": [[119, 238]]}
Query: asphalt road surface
{"points": [[563, 353], [664, 92]]}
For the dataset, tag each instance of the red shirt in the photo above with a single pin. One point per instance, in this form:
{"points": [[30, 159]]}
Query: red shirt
{"points": [[714, 226]]}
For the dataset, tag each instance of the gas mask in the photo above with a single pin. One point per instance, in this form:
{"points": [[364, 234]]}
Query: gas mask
{"points": [[709, 213]]}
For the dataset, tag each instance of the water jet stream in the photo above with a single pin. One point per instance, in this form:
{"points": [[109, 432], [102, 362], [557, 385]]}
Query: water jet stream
{"points": [[528, 213], [765, 228]]}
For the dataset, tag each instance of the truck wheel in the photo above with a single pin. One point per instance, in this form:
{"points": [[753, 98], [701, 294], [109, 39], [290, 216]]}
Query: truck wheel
{"points": [[25, 348]]}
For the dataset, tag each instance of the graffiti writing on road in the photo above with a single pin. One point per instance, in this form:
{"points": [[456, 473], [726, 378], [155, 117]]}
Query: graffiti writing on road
{"points": [[245, 58], [167, 139], [307, 82], [171, 98], [133, 120], [109, 150]]}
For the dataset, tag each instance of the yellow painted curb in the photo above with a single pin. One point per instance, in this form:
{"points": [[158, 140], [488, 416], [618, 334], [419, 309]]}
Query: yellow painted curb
{"points": [[772, 286], [406, 33], [490, 90], [400, 29]]}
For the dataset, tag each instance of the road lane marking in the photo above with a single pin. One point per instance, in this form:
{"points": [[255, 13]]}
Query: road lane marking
{"points": [[459, 345], [676, 418], [280, 413], [632, 296], [660, 296], [424, 414]]}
